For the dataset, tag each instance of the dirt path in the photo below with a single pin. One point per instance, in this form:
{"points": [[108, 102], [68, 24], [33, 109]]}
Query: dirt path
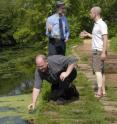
{"points": [[109, 102]]}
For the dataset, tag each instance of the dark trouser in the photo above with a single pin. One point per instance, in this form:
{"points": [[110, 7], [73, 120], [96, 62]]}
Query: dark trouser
{"points": [[56, 47], [65, 89]]}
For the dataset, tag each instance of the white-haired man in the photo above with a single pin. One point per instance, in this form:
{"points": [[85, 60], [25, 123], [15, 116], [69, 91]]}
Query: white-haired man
{"points": [[99, 48]]}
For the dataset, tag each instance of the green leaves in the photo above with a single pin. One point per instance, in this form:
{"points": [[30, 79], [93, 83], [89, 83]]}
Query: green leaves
{"points": [[24, 20], [23, 34]]}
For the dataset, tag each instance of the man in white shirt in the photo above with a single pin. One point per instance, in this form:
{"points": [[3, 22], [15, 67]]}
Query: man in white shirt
{"points": [[99, 48]]}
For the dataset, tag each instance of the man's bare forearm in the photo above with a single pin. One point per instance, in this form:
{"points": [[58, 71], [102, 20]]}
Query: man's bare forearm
{"points": [[89, 35], [35, 95], [105, 40], [70, 68]]}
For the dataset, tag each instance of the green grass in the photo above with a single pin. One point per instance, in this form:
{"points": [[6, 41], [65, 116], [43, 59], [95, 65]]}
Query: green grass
{"points": [[113, 44], [71, 43], [84, 58], [87, 110], [111, 92]]}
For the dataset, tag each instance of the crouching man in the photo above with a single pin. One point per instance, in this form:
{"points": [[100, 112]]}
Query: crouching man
{"points": [[58, 70]]}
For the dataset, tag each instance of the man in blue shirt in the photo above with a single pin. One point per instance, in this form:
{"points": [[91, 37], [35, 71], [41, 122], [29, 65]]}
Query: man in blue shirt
{"points": [[57, 30]]}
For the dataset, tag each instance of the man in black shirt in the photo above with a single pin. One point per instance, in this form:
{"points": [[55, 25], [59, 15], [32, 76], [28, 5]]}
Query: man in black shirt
{"points": [[58, 70]]}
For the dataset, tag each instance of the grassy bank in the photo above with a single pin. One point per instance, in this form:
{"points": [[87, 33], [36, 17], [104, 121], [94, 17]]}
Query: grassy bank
{"points": [[113, 44], [87, 110]]}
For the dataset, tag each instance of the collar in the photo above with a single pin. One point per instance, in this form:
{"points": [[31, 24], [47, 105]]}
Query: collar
{"points": [[98, 21], [57, 15]]}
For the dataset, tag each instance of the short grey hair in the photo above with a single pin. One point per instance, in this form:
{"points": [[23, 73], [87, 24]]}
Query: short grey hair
{"points": [[59, 3], [97, 10]]}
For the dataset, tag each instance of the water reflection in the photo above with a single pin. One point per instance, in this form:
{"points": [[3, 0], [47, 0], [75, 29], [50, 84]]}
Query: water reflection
{"points": [[31, 121], [15, 120], [23, 87], [5, 109], [12, 120]]}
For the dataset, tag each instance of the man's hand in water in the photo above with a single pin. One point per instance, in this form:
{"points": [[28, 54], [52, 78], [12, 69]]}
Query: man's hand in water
{"points": [[35, 94], [31, 107]]}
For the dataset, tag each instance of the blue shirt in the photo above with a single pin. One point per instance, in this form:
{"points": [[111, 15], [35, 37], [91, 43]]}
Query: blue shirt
{"points": [[54, 21]]}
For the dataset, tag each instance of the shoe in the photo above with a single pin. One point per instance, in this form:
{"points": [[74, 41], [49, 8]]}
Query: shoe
{"points": [[61, 101], [98, 95]]}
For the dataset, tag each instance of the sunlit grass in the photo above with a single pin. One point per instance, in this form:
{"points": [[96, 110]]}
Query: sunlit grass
{"points": [[87, 110], [113, 44]]}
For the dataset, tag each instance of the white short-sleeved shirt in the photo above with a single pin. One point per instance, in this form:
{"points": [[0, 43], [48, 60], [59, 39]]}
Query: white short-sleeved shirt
{"points": [[99, 29]]}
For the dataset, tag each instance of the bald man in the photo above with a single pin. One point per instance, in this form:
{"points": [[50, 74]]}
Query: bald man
{"points": [[99, 48], [58, 70]]}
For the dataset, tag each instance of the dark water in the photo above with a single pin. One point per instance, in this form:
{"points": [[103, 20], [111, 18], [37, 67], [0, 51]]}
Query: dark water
{"points": [[23, 87], [16, 77], [15, 120], [12, 120], [17, 66], [5, 109], [16, 71]]}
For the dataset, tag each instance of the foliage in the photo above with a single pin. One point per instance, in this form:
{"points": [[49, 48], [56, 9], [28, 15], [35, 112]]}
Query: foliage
{"points": [[113, 44], [24, 20], [17, 65], [23, 35]]}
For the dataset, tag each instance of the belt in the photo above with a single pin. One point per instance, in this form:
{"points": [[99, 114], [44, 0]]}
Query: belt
{"points": [[95, 50], [56, 39]]}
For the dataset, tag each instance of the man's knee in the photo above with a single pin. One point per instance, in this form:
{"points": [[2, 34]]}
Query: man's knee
{"points": [[71, 92]]}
